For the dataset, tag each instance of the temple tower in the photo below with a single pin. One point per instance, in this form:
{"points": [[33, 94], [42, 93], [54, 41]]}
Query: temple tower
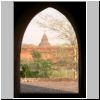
{"points": [[44, 41]]}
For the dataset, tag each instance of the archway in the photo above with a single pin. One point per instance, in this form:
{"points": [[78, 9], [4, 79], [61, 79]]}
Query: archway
{"points": [[57, 51], [20, 28]]}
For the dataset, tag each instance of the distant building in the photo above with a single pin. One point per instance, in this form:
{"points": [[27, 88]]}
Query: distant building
{"points": [[44, 41], [49, 52]]}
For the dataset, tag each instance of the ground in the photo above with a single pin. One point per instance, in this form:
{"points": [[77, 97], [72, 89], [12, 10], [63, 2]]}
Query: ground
{"points": [[42, 86]]}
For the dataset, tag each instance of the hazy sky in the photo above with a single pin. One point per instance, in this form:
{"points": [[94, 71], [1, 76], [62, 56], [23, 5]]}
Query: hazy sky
{"points": [[34, 32]]}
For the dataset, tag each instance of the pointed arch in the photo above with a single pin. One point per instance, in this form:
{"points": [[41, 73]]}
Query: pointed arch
{"points": [[25, 12]]}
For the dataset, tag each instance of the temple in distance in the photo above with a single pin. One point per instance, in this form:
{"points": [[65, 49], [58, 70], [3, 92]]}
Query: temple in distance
{"points": [[49, 52], [44, 41]]}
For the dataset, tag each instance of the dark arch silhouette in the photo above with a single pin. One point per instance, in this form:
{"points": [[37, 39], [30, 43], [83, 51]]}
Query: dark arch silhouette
{"points": [[74, 11]]}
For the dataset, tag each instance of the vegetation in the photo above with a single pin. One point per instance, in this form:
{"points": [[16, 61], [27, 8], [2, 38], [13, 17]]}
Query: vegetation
{"points": [[36, 55], [40, 68], [26, 71], [45, 68]]}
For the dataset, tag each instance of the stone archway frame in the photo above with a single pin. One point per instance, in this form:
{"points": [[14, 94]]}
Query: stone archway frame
{"points": [[25, 11]]}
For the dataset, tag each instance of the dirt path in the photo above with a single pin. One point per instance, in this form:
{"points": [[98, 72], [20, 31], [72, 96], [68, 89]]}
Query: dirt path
{"points": [[49, 87]]}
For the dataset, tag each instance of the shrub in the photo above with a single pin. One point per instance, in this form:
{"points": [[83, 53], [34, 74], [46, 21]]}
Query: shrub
{"points": [[26, 71], [59, 74], [36, 54], [44, 67], [35, 74]]}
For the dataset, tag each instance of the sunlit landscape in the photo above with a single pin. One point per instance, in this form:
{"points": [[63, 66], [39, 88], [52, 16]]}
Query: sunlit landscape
{"points": [[49, 55]]}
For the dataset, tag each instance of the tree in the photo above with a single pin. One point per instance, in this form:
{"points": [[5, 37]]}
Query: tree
{"points": [[63, 27]]}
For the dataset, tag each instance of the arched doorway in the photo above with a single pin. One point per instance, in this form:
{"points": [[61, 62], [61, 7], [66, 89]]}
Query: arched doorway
{"points": [[49, 50], [20, 28]]}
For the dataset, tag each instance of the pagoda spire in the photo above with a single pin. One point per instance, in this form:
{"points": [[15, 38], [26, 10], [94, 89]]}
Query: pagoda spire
{"points": [[44, 41]]}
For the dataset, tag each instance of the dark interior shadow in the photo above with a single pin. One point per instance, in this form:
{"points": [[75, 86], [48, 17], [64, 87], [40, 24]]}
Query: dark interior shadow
{"points": [[24, 88], [75, 12]]}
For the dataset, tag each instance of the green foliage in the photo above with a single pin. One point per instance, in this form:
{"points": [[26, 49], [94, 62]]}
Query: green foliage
{"points": [[35, 74], [44, 67], [26, 71], [59, 74], [41, 67], [36, 54]]}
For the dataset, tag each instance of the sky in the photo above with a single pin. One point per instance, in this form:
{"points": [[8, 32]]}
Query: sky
{"points": [[34, 31]]}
